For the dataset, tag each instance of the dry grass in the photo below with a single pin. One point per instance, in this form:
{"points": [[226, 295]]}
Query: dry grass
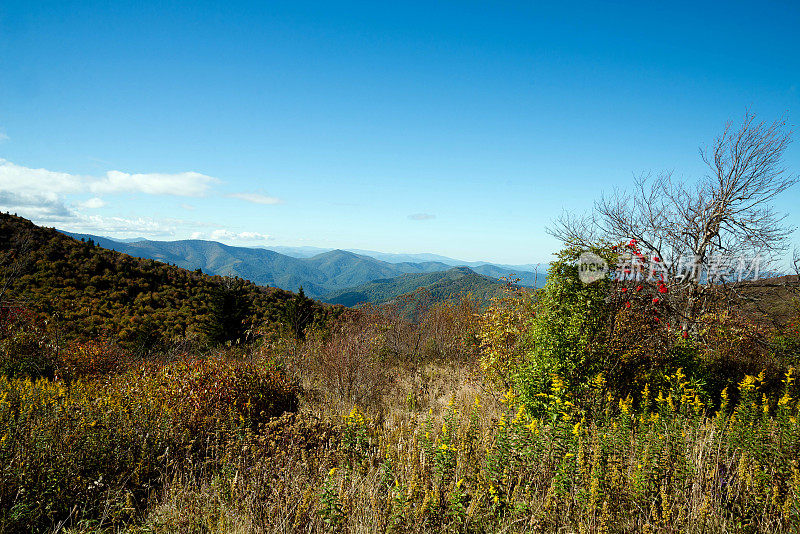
{"points": [[473, 468], [399, 437]]}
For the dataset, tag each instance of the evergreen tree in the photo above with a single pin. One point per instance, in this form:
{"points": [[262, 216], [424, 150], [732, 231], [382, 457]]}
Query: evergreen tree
{"points": [[229, 312], [298, 314]]}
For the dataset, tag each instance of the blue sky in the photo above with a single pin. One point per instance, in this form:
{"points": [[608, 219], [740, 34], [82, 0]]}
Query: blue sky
{"points": [[455, 128]]}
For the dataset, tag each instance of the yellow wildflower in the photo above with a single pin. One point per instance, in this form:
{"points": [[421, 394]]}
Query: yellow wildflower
{"points": [[599, 381], [558, 384], [520, 415], [532, 426], [576, 429], [747, 383], [625, 405]]}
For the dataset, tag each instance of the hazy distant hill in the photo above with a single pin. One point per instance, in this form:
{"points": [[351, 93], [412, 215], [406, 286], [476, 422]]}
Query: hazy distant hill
{"points": [[527, 273], [319, 274], [262, 267], [442, 286]]}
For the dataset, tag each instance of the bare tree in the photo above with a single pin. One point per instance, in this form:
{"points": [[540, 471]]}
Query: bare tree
{"points": [[690, 225]]}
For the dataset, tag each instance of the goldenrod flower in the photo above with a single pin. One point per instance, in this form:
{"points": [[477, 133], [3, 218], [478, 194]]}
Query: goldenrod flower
{"points": [[747, 383], [599, 381], [532, 425], [789, 376], [520, 415], [509, 397], [558, 384]]}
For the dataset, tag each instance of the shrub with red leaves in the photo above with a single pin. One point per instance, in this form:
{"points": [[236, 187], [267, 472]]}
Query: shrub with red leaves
{"points": [[88, 359], [205, 391]]}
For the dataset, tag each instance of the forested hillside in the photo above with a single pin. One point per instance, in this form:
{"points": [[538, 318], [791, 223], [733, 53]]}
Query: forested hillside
{"points": [[89, 291], [442, 286]]}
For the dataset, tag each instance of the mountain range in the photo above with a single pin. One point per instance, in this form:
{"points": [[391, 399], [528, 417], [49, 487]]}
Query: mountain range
{"points": [[322, 273], [307, 252], [442, 285]]}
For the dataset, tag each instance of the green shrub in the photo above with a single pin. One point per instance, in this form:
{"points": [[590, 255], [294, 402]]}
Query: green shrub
{"points": [[786, 342], [570, 320], [731, 347]]}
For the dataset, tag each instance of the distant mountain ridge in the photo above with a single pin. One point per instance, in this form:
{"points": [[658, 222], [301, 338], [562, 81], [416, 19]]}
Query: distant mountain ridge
{"points": [[319, 274], [442, 285], [391, 257]]}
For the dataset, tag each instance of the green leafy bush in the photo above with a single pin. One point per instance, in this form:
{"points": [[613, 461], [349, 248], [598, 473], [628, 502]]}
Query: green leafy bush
{"points": [[564, 335]]}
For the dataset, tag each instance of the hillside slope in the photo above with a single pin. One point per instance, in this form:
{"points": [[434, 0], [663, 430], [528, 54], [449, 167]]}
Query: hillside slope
{"points": [[90, 291]]}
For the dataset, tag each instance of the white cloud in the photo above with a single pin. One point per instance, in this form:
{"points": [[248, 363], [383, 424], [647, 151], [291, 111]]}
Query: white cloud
{"points": [[184, 184], [43, 196], [121, 227], [227, 235], [256, 198], [46, 206], [51, 184], [3, 136], [93, 203], [39, 182], [421, 216]]}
